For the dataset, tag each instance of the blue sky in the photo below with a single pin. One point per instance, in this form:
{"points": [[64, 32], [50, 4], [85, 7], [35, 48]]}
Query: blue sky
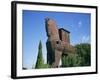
{"points": [[34, 30]]}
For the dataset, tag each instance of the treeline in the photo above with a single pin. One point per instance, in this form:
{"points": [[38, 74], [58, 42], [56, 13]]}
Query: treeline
{"points": [[81, 57]]}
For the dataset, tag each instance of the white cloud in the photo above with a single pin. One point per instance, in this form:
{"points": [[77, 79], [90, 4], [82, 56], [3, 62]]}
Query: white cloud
{"points": [[79, 24], [85, 39]]}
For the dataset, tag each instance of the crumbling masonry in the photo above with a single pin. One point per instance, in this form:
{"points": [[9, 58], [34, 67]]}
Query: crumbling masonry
{"points": [[58, 43]]}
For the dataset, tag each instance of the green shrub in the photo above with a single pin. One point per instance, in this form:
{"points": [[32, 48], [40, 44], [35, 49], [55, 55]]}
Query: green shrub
{"points": [[81, 57]]}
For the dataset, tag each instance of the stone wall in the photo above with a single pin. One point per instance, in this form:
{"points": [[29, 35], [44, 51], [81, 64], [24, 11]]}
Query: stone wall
{"points": [[58, 42]]}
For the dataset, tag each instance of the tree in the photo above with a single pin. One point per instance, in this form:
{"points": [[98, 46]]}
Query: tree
{"points": [[84, 51], [40, 61], [81, 56], [70, 60]]}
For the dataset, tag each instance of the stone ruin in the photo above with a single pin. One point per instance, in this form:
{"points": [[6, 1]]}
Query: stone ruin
{"points": [[58, 43]]}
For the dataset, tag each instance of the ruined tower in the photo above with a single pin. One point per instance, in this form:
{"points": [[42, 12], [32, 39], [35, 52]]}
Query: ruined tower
{"points": [[58, 42], [64, 35]]}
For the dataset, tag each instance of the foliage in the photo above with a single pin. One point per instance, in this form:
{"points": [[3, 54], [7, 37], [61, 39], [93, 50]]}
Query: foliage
{"points": [[46, 66], [81, 57], [39, 62], [84, 50], [71, 60]]}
